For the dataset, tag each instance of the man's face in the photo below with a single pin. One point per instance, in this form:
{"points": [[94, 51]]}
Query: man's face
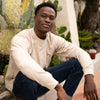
{"points": [[44, 20]]}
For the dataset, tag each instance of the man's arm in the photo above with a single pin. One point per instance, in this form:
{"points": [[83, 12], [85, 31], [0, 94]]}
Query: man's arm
{"points": [[67, 49], [90, 91]]}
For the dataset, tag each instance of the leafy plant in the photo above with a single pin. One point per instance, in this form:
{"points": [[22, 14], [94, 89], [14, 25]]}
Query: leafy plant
{"points": [[96, 36], [24, 5], [11, 12], [5, 39], [27, 19], [63, 29], [79, 21], [56, 2], [54, 61], [85, 39], [5, 70], [0, 6]]}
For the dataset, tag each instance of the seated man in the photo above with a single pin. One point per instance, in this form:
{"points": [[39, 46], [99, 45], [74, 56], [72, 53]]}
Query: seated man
{"points": [[28, 75]]}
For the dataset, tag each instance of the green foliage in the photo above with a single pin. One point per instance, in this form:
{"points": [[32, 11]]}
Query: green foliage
{"points": [[56, 2], [32, 19], [68, 37], [5, 70], [5, 40], [3, 7], [96, 36], [24, 5], [85, 39], [4, 59], [79, 20], [27, 19], [54, 61], [63, 29], [0, 6], [12, 13]]}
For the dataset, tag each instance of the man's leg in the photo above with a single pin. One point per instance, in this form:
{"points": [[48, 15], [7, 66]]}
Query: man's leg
{"points": [[24, 88], [71, 72]]}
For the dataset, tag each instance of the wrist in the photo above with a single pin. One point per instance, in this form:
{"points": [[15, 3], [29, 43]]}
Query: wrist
{"points": [[58, 86], [89, 77]]}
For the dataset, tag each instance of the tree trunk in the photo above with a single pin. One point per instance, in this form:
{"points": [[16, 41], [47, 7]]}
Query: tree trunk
{"points": [[90, 16]]}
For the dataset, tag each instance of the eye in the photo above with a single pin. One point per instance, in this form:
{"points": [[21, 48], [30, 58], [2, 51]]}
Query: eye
{"points": [[43, 16], [52, 18]]}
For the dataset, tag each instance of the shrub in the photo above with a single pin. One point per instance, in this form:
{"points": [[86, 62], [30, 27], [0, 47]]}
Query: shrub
{"points": [[5, 70], [27, 20], [5, 39], [12, 13], [85, 39], [96, 36]]}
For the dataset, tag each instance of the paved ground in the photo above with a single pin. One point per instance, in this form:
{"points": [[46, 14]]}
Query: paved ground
{"points": [[79, 92]]}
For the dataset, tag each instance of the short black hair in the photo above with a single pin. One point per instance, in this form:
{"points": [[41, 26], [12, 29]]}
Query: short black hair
{"points": [[44, 4]]}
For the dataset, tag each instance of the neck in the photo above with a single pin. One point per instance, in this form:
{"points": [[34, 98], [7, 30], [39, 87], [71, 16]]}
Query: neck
{"points": [[39, 34]]}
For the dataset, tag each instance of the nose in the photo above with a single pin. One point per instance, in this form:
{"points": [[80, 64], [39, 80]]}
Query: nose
{"points": [[47, 19]]}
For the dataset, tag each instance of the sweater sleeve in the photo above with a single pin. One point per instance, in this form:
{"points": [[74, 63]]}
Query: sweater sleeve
{"points": [[30, 68], [67, 49]]}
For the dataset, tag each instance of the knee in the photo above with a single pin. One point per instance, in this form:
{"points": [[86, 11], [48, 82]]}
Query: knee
{"points": [[77, 66], [76, 63]]}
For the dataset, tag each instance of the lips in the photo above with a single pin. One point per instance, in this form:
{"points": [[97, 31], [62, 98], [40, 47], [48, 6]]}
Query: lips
{"points": [[46, 25]]}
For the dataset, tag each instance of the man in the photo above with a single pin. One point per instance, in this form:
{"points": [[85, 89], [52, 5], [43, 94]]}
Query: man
{"points": [[31, 51]]}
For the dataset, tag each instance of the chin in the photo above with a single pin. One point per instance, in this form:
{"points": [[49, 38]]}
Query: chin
{"points": [[45, 31]]}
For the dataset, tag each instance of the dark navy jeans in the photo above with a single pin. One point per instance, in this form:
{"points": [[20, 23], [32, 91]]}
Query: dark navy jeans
{"points": [[70, 71]]}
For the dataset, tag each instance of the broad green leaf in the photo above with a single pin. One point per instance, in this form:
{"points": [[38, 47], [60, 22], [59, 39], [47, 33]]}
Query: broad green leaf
{"points": [[62, 29]]}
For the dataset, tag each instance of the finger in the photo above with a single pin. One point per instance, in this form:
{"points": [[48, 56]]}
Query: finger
{"points": [[86, 94], [92, 96], [96, 96], [87, 97]]}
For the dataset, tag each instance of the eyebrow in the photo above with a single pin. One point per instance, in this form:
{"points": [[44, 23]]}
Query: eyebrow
{"points": [[53, 15]]}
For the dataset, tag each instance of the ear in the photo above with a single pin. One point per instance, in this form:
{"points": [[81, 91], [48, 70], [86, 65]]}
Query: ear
{"points": [[34, 18]]}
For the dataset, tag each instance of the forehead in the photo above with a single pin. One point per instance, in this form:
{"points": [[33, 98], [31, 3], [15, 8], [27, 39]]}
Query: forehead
{"points": [[47, 10]]}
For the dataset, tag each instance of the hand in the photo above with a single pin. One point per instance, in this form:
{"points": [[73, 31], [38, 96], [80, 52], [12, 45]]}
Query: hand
{"points": [[61, 93], [90, 91]]}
